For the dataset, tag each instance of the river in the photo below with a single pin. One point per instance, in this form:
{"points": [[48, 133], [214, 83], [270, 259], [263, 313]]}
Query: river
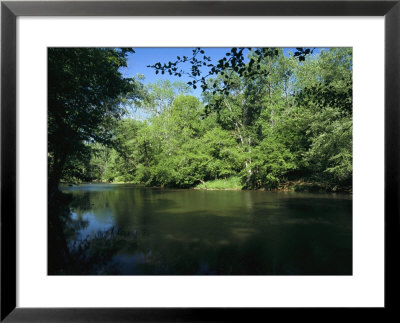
{"points": [[132, 230]]}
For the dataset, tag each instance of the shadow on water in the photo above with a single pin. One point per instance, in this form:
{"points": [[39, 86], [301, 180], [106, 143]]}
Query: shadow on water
{"points": [[232, 248], [71, 254], [136, 231]]}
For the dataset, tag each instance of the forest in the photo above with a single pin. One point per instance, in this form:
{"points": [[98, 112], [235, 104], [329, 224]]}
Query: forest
{"points": [[265, 119]]}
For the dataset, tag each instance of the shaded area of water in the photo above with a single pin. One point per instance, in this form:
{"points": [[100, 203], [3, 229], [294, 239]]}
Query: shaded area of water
{"points": [[193, 232]]}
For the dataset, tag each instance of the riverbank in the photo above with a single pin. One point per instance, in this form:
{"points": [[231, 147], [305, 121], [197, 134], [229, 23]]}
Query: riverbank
{"points": [[231, 183], [234, 184], [312, 187]]}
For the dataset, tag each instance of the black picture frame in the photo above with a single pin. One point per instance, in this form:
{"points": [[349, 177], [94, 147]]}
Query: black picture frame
{"points": [[10, 10]]}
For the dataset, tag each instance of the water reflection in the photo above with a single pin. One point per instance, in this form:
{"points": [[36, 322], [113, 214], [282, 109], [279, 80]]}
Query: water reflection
{"points": [[191, 232]]}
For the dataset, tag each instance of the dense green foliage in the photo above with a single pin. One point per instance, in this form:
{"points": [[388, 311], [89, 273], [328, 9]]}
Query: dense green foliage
{"points": [[262, 122], [86, 92]]}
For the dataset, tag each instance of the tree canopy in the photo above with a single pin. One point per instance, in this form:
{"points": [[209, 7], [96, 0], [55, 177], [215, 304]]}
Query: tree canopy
{"points": [[86, 91]]}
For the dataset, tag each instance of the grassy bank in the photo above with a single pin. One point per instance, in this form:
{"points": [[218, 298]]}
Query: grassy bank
{"points": [[231, 183]]}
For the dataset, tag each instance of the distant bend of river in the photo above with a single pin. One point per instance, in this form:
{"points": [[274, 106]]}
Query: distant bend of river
{"points": [[133, 230]]}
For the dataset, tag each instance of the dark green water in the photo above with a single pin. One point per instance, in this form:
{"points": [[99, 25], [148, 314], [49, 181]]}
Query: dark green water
{"points": [[193, 232]]}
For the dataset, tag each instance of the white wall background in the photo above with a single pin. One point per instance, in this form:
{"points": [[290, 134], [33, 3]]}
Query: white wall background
{"points": [[364, 288]]}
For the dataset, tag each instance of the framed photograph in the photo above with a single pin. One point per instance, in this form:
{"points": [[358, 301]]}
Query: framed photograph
{"points": [[198, 160]]}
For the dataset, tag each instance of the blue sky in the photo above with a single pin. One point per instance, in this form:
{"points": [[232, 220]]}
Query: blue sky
{"points": [[138, 62]]}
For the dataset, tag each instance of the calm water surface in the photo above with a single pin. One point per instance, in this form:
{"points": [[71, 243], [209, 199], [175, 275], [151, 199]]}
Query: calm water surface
{"points": [[196, 232]]}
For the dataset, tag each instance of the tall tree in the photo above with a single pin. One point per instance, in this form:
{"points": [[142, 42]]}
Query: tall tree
{"points": [[85, 95]]}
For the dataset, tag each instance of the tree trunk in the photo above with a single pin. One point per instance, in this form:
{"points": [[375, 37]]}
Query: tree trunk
{"points": [[57, 242], [55, 173]]}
